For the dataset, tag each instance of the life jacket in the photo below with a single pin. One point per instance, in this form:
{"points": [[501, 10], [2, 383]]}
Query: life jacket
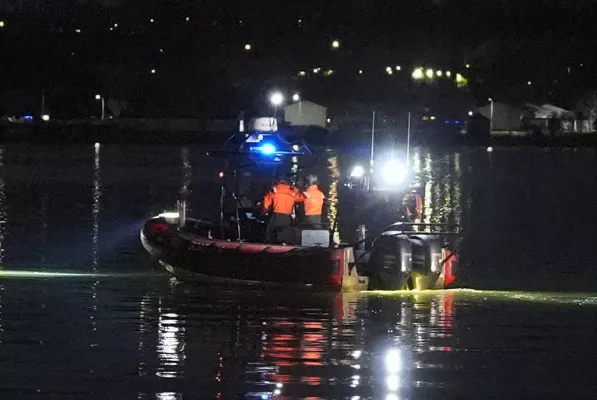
{"points": [[313, 199], [280, 199]]}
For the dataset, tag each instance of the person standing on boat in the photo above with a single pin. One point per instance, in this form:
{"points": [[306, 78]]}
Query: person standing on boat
{"points": [[279, 204], [313, 200]]}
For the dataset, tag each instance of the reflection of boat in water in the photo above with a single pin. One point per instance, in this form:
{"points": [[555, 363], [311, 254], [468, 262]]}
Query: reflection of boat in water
{"points": [[404, 255], [268, 345]]}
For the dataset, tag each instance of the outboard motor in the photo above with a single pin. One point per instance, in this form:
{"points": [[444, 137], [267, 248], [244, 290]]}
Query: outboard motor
{"points": [[390, 262], [427, 254]]}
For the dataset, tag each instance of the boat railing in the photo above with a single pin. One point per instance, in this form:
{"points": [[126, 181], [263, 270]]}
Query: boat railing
{"points": [[424, 228]]}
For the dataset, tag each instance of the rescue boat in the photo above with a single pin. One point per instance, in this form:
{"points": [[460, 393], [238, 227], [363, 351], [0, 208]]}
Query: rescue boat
{"points": [[399, 259], [407, 254]]}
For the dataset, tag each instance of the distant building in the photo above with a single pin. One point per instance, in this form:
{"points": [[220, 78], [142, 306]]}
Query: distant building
{"points": [[546, 111], [506, 117], [509, 119], [305, 113]]}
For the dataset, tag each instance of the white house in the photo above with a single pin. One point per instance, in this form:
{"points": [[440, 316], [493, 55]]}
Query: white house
{"points": [[546, 111], [305, 113]]}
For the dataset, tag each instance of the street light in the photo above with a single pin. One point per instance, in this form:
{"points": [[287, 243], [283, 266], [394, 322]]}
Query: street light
{"points": [[297, 98], [335, 44], [247, 47], [100, 97], [276, 99], [490, 115]]}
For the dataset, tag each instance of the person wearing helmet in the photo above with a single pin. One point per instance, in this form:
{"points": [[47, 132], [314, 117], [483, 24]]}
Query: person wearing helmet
{"points": [[278, 203], [313, 200]]}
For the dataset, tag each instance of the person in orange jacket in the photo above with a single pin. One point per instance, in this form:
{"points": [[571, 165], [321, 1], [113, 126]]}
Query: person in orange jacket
{"points": [[279, 204], [313, 200]]}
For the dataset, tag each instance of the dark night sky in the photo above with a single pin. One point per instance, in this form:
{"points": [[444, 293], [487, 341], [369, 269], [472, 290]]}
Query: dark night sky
{"points": [[202, 62]]}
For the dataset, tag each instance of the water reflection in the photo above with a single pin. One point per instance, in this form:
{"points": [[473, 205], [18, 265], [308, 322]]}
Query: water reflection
{"points": [[3, 208], [342, 350], [95, 235], [171, 342], [95, 210], [168, 396], [3, 221]]}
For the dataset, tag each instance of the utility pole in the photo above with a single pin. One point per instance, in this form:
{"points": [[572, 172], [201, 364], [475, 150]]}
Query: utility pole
{"points": [[490, 115], [408, 143], [372, 140]]}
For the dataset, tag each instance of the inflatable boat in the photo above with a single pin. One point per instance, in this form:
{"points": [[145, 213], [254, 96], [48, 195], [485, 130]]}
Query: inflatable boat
{"points": [[398, 259], [406, 254]]}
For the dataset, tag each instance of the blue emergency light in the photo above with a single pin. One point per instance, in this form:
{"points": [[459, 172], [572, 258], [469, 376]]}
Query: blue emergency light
{"points": [[267, 149]]}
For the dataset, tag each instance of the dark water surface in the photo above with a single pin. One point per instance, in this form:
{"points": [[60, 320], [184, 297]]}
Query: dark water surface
{"points": [[84, 314]]}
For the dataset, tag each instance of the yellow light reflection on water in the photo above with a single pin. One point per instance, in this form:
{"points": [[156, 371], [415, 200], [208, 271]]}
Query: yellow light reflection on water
{"points": [[580, 298], [42, 274], [4, 273]]}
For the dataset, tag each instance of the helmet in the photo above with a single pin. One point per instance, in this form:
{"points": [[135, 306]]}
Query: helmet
{"points": [[283, 178]]}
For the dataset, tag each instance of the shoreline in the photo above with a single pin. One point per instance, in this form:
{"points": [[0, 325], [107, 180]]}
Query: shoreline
{"points": [[117, 134]]}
